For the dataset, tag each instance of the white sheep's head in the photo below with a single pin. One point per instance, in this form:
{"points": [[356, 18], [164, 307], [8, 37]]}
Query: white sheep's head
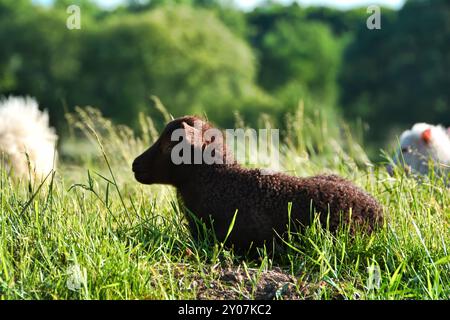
{"points": [[423, 144]]}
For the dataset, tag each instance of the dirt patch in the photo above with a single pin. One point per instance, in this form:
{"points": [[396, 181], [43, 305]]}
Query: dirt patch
{"points": [[241, 283]]}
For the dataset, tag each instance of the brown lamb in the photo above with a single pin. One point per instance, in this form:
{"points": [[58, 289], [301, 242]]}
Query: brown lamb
{"points": [[213, 193]]}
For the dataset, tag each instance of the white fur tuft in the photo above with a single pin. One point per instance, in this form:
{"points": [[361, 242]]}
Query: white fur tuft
{"points": [[25, 136]]}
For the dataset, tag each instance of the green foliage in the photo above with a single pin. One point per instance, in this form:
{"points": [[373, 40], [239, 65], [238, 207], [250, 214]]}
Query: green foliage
{"points": [[233, 18], [88, 7], [299, 58], [187, 57], [340, 21], [43, 60], [305, 53], [207, 56], [167, 52]]}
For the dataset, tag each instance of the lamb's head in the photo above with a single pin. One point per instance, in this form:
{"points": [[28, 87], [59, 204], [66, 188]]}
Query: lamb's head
{"points": [[185, 142], [424, 142]]}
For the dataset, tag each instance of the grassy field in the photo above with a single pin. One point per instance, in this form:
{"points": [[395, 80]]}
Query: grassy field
{"points": [[92, 232]]}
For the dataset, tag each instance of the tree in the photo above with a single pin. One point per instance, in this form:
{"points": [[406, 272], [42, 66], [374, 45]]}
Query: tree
{"points": [[169, 53], [299, 59], [339, 21], [41, 59]]}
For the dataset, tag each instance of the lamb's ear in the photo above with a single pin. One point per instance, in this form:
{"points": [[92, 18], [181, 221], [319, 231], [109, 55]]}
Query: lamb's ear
{"points": [[193, 135]]}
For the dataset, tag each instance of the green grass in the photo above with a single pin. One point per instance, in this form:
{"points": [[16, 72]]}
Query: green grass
{"points": [[92, 232]]}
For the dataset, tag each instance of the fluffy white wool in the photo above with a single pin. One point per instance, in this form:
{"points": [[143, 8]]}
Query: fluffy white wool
{"points": [[25, 133], [416, 151]]}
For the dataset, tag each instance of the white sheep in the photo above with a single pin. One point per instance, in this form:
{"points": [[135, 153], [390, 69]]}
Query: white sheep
{"points": [[422, 145], [27, 142]]}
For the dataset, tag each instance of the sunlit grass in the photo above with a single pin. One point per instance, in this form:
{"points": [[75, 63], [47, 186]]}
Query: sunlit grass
{"points": [[92, 232]]}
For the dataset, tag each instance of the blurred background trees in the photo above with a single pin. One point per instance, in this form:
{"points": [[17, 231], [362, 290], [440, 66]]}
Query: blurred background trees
{"points": [[298, 58], [202, 56], [400, 75], [169, 53]]}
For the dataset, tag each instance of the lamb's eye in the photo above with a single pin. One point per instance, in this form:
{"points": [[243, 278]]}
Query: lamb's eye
{"points": [[406, 150]]}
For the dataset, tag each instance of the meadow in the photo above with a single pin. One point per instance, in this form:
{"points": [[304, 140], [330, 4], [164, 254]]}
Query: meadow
{"points": [[91, 232]]}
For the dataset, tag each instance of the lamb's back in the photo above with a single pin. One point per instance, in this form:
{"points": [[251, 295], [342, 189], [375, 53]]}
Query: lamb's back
{"points": [[262, 202]]}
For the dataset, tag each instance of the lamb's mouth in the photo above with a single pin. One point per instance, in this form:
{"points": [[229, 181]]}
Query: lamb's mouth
{"points": [[143, 177], [139, 175]]}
